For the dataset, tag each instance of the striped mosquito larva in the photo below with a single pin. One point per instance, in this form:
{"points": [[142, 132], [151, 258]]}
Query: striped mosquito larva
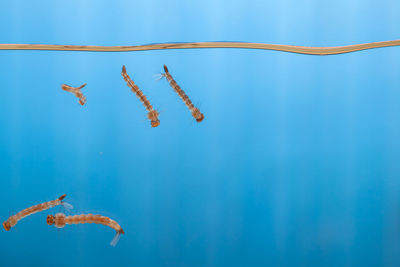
{"points": [[76, 91], [13, 220], [152, 114], [60, 220], [195, 111]]}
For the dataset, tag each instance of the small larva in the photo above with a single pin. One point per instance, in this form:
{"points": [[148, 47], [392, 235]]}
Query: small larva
{"points": [[195, 111], [60, 220], [13, 220], [76, 91], [152, 114]]}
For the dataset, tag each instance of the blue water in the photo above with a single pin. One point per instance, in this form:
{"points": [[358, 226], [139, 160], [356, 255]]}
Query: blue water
{"points": [[295, 164]]}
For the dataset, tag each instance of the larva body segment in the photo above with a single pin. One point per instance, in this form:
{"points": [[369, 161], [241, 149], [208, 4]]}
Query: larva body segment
{"points": [[194, 110], [13, 220], [76, 91], [152, 114], [60, 220]]}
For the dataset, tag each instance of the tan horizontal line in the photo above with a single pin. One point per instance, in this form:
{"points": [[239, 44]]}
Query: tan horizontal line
{"points": [[286, 48]]}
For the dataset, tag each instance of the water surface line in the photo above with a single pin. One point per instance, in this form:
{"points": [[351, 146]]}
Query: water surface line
{"points": [[161, 46]]}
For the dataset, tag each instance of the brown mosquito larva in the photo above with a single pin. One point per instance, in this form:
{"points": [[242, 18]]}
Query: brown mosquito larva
{"points": [[195, 111], [76, 91], [60, 220], [13, 220], [152, 114]]}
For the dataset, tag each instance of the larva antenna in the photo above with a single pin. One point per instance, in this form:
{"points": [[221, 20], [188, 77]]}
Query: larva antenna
{"points": [[116, 238]]}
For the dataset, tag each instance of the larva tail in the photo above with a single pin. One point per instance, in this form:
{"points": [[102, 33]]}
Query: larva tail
{"points": [[158, 76], [116, 238], [80, 87], [67, 206]]}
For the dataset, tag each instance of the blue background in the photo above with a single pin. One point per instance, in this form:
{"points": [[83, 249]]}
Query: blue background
{"points": [[295, 163]]}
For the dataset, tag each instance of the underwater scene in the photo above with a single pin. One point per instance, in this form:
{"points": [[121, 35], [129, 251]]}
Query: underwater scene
{"points": [[229, 153]]}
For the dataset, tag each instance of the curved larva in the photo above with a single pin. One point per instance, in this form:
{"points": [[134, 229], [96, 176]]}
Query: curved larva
{"points": [[13, 220], [76, 91], [60, 220]]}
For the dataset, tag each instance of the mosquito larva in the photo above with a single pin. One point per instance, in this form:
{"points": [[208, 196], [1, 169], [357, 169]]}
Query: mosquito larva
{"points": [[195, 111], [76, 91], [60, 220], [152, 114], [13, 220]]}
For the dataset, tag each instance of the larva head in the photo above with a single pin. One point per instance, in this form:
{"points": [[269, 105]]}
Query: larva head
{"points": [[58, 220], [62, 197], [11, 221], [165, 68], [50, 219], [7, 225], [153, 117], [200, 117], [155, 123], [123, 69], [197, 115]]}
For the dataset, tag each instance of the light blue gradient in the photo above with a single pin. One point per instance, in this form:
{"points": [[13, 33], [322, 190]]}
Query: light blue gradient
{"points": [[295, 164]]}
